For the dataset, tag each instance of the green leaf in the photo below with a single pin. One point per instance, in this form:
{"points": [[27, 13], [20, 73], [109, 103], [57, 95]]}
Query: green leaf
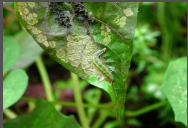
{"points": [[14, 85], [10, 53], [29, 50], [74, 48], [175, 88], [43, 116]]}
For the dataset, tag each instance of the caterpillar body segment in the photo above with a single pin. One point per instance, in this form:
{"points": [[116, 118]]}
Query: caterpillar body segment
{"points": [[100, 65]]}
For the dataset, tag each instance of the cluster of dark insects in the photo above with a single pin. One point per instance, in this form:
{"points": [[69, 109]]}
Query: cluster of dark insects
{"points": [[81, 13], [64, 20]]}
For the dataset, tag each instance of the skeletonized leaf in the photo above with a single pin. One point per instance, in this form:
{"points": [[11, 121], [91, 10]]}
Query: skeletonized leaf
{"points": [[75, 47]]}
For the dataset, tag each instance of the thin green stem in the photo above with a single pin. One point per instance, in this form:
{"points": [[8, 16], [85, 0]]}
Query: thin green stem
{"points": [[166, 44], [9, 113], [145, 109], [31, 106], [92, 113], [9, 8], [128, 113], [72, 104], [78, 99], [103, 115], [45, 78]]}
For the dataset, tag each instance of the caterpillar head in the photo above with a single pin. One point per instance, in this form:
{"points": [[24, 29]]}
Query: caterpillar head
{"points": [[104, 49]]}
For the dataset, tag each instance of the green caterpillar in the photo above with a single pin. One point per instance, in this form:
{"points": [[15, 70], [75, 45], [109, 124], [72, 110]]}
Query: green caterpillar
{"points": [[101, 66]]}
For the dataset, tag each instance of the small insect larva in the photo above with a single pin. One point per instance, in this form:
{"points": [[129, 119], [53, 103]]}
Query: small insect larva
{"points": [[100, 65]]}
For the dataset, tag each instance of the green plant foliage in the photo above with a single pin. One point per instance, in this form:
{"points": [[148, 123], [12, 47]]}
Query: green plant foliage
{"points": [[175, 88], [43, 118], [14, 85], [29, 50], [10, 53], [15, 82], [74, 47]]}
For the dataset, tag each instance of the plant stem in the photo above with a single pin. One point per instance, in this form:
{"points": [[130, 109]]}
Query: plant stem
{"points": [[9, 113], [91, 114], [31, 106], [166, 44], [45, 78], [78, 99], [128, 113], [100, 119], [72, 104], [9, 8], [145, 109]]}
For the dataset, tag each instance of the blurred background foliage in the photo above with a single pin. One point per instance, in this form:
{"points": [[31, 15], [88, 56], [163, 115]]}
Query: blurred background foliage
{"points": [[160, 37]]}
